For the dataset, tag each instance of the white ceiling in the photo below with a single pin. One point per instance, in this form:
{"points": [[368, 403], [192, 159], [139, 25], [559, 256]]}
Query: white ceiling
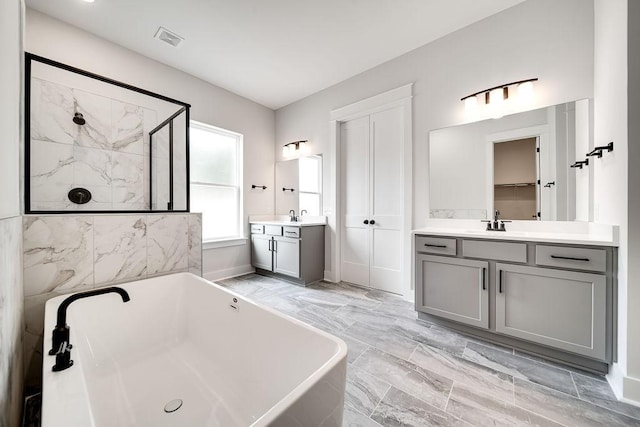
{"points": [[273, 51]]}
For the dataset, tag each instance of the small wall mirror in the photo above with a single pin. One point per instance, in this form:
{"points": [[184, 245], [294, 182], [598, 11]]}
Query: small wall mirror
{"points": [[98, 145], [518, 164], [299, 185]]}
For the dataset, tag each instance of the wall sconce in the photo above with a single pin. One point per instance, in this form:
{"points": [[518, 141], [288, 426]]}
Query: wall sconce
{"points": [[496, 97], [295, 147]]}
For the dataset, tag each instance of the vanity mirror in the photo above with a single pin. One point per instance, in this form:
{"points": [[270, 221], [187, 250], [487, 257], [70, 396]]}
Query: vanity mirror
{"points": [[518, 164], [97, 145], [299, 185]]}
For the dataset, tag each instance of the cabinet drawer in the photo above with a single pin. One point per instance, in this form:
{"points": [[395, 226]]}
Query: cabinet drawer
{"points": [[500, 251], [291, 232], [575, 258], [273, 230], [257, 229], [436, 245]]}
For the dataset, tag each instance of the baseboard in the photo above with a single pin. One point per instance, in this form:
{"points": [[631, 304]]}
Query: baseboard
{"points": [[228, 272], [626, 389]]}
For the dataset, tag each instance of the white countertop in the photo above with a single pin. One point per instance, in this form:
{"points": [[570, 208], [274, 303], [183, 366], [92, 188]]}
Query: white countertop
{"points": [[566, 232], [304, 221]]}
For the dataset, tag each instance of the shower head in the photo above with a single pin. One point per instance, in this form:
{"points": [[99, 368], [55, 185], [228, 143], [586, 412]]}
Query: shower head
{"points": [[79, 119]]}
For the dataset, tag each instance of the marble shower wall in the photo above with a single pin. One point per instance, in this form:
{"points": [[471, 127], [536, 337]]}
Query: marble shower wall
{"points": [[73, 253], [11, 326], [106, 155]]}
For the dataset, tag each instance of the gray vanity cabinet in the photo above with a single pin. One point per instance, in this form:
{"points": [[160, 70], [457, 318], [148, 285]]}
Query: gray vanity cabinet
{"points": [[261, 251], [558, 308], [292, 252], [453, 288], [286, 256]]}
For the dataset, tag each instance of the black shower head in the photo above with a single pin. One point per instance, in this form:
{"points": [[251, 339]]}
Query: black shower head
{"points": [[79, 119]]}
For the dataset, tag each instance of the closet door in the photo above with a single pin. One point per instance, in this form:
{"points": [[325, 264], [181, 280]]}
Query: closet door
{"points": [[372, 200], [354, 173], [386, 199]]}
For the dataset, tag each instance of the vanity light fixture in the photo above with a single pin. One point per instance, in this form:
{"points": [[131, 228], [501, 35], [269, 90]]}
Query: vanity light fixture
{"points": [[496, 96], [295, 147]]}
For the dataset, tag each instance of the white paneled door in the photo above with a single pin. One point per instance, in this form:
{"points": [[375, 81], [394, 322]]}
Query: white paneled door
{"points": [[372, 199]]}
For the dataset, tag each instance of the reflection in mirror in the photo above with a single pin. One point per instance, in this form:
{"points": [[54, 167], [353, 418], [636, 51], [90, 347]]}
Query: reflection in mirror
{"points": [[124, 147], [304, 177], [518, 164]]}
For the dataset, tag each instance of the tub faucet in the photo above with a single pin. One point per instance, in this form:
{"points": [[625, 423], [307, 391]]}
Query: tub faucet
{"points": [[292, 216], [61, 347]]}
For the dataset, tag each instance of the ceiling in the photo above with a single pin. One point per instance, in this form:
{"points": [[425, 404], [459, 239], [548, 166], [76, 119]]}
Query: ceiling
{"points": [[273, 52]]}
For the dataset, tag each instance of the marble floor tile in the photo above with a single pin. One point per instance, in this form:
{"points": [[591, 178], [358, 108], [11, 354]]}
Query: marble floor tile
{"points": [[400, 409], [520, 367], [434, 336], [366, 316], [353, 418], [480, 409], [430, 386], [599, 393], [478, 377], [566, 409], [364, 391], [384, 338], [434, 375]]}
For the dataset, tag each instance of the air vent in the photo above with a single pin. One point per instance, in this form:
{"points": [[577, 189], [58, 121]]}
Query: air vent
{"points": [[168, 37]]}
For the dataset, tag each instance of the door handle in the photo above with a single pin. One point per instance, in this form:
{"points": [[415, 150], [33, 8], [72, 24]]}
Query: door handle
{"points": [[275, 246], [435, 246], [270, 245], [366, 221], [484, 279], [500, 282], [372, 222]]}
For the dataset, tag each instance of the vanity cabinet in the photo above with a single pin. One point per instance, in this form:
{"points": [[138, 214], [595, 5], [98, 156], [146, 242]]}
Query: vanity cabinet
{"points": [[558, 308], [555, 300], [453, 288], [292, 252]]}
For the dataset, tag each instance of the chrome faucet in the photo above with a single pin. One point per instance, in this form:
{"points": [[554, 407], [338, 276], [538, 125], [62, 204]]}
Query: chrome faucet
{"points": [[292, 216], [498, 224], [61, 347], [303, 211]]}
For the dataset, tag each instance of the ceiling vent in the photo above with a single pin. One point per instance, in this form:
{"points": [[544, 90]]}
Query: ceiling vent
{"points": [[168, 37]]}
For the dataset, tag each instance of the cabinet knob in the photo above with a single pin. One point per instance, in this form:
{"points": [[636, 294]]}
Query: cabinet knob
{"points": [[372, 222], [366, 221]]}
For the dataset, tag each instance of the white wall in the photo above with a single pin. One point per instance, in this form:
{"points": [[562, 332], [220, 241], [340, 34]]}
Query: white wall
{"points": [[547, 39], [11, 293], [54, 39]]}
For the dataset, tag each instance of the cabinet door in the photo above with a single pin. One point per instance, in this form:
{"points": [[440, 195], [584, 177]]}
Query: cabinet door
{"points": [[261, 255], [453, 288], [286, 256], [558, 308]]}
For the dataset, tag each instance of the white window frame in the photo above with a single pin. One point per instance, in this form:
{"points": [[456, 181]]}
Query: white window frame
{"points": [[238, 238]]}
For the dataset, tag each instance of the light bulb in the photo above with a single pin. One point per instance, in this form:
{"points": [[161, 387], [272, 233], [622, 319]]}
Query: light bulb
{"points": [[285, 151], [496, 103], [471, 105], [525, 93], [302, 147]]}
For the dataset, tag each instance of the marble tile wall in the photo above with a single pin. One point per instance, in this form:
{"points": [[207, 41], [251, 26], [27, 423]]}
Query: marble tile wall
{"points": [[458, 213], [105, 155], [78, 252], [11, 324]]}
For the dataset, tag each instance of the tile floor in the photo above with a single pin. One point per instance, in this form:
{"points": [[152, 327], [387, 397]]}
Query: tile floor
{"points": [[406, 372]]}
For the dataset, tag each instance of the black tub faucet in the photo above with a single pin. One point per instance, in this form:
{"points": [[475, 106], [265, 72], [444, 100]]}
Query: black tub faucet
{"points": [[61, 347]]}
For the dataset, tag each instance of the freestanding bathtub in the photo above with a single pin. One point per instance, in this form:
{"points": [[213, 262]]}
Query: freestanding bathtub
{"points": [[183, 341]]}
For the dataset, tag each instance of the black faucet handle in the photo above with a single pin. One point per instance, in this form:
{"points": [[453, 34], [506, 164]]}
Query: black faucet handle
{"points": [[63, 357]]}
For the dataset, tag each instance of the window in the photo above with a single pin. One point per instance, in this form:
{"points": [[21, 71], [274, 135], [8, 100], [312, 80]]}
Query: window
{"points": [[310, 175], [216, 180]]}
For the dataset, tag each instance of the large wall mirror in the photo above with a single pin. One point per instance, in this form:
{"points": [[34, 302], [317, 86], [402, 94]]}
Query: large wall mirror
{"points": [[519, 165], [98, 145], [299, 185]]}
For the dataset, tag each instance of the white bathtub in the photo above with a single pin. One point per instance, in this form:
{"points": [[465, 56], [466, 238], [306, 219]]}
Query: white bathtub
{"points": [[178, 338]]}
